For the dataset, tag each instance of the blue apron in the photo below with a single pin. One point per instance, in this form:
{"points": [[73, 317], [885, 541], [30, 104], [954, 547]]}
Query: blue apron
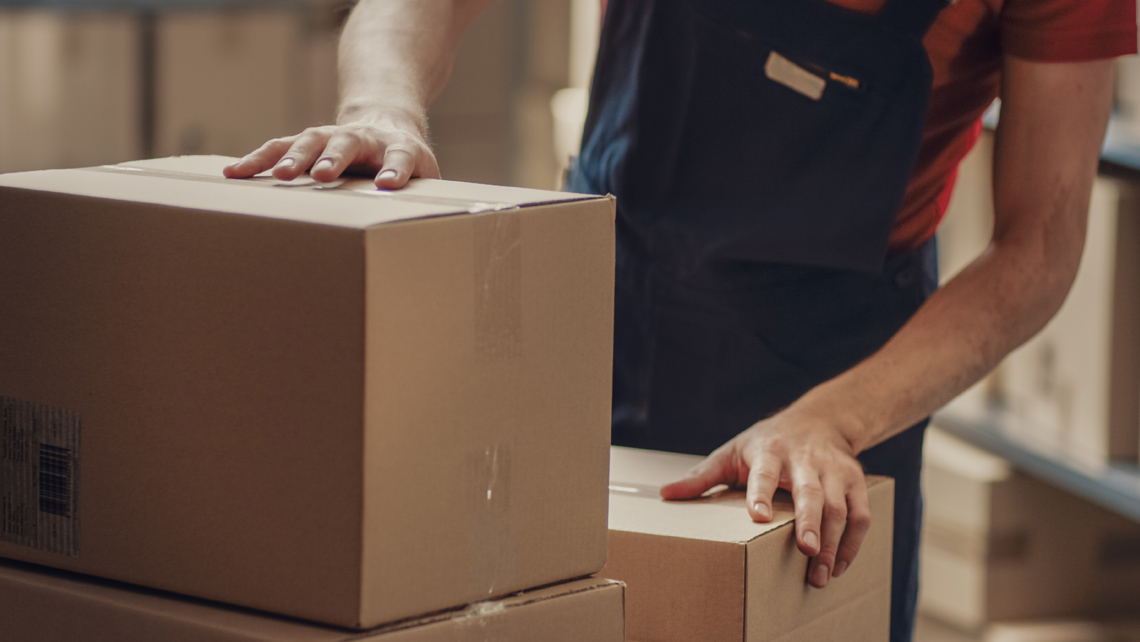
{"points": [[759, 151]]}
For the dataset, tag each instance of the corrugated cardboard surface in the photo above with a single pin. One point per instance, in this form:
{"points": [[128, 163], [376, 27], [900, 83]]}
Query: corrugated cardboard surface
{"points": [[1000, 545], [703, 570], [338, 404], [44, 605]]}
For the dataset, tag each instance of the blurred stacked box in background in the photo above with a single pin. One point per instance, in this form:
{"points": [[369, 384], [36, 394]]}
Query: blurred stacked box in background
{"points": [[999, 545], [227, 81], [69, 88]]}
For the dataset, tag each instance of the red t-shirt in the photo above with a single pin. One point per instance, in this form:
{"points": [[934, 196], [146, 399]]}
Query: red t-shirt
{"points": [[965, 46]]}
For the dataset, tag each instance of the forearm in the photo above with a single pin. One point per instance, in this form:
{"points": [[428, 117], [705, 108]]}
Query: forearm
{"points": [[959, 335], [1045, 159], [395, 56]]}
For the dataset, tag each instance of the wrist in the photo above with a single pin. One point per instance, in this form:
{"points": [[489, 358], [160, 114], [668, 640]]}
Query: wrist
{"points": [[405, 117], [838, 414]]}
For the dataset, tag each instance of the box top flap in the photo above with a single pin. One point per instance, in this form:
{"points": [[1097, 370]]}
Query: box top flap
{"points": [[636, 476], [196, 182]]}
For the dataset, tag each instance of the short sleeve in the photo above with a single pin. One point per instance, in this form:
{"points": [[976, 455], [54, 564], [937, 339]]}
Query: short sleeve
{"points": [[1068, 30]]}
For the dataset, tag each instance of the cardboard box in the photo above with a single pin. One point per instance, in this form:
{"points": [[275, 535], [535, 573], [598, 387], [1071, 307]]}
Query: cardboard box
{"points": [[340, 404], [999, 545], [41, 605], [1063, 631], [70, 85], [1077, 383], [228, 80], [703, 570]]}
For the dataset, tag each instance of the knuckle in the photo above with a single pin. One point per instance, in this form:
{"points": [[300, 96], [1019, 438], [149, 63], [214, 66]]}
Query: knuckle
{"points": [[835, 511], [859, 520], [809, 490], [765, 475]]}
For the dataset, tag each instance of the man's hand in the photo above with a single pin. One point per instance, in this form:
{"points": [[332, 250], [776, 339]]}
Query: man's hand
{"points": [[392, 153], [394, 59], [813, 460]]}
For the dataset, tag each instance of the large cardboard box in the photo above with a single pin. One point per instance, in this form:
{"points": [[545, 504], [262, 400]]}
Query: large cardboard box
{"points": [[341, 404], [42, 605], [999, 545], [703, 570]]}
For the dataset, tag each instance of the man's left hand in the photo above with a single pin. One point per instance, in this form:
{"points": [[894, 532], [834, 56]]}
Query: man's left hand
{"points": [[812, 459]]}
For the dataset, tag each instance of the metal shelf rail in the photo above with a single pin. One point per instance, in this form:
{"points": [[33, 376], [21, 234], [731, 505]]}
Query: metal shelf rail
{"points": [[1115, 486]]}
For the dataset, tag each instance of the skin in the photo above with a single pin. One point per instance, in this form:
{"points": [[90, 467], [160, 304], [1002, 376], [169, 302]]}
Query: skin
{"points": [[395, 57]]}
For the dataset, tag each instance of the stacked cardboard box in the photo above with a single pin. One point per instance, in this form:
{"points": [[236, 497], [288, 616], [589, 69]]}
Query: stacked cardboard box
{"points": [[703, 570], [51, 606], [999, 545], [1063, 631], [329, 402], [227, 81], [69, 88]]}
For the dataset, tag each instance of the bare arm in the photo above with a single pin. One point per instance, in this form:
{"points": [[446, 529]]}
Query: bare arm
{"points": [[1052, 125], [395, 57]]}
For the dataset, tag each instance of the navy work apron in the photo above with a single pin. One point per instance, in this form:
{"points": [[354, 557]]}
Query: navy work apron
{"points": [[759, 151]]}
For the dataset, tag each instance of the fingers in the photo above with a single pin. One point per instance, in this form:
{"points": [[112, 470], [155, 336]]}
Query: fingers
{"points": [[833, 525], [858, 523], [301, 155], [326, 152], [763, 479], [342, 150], [716, 469], [807, 496], [399, 166], [260, 159]]}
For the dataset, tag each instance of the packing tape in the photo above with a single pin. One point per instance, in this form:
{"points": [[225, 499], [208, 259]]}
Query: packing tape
{"points": [[498, 287], [490, 538], [633, 488], [307, 183]]}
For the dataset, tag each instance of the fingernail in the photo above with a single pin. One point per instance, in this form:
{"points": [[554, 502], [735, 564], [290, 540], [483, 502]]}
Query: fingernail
{"points": [[323, 164], [762, 510], [811, 540], [387, 174], [286, 163], [839, 568], [821, 574]]}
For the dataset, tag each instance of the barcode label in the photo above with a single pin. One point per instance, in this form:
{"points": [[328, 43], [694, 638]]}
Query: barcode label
{"points": [[39, 476]]}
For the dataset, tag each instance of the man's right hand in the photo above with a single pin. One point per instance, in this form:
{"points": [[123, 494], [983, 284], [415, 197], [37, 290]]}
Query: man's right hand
{"points": [[392, 152]]}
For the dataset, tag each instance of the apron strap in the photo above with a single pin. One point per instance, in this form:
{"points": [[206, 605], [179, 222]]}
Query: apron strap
{"points": [[913, 17]]}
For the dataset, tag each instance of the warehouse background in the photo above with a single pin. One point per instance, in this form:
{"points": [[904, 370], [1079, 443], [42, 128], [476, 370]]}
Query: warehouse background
{"points": [[1008, 555]]}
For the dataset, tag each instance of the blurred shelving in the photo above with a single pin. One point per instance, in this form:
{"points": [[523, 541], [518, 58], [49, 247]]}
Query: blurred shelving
{"points": [[1115, 486]]}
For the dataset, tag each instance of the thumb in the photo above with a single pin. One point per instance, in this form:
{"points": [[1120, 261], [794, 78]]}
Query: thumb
{"points": [[710, 472]]}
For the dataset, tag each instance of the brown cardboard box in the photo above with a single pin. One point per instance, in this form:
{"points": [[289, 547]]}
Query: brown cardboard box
{"points": [[43, 605], [69, 88], [344, 405], [229, 79], [1000, 545], [702, 570], [1063, 631]]}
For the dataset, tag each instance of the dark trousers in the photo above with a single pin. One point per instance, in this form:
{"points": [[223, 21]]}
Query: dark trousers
{"points": [[702, 353]]}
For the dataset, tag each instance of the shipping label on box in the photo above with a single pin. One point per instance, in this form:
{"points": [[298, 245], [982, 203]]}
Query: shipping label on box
{"points": [[327, 401]]}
